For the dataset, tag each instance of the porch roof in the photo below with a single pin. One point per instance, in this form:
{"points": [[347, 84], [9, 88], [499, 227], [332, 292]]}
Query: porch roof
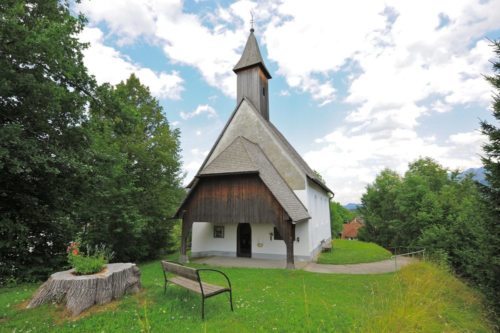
{"points": [[244, 156]]}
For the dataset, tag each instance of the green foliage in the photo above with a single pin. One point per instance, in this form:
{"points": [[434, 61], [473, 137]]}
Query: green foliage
{"points": [[268, 300], [381, 217], [432, 208], [491, 162], [43, 147], [353, 252], [136, 184], [426, 298], [89, 262], [85, 264], [338, 216], [113, 174]]}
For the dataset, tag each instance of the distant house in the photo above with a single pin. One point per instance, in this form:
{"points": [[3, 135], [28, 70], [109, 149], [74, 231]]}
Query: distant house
{"points": [[254, 195], [350, 229]]}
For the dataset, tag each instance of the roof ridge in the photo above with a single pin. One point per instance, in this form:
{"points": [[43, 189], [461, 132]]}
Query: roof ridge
{"points": [[277, 173]]}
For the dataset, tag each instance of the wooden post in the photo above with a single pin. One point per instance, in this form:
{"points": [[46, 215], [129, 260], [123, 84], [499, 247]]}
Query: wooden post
{"points": [[290, 263], [289, 254], [186, 227]]}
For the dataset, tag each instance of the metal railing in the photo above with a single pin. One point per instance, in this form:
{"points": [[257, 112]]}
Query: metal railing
{"points": [[412, 254]]}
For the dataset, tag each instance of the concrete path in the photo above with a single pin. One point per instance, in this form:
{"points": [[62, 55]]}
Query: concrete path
{"points": [[245, 262], [385, 266], [379, 267]]}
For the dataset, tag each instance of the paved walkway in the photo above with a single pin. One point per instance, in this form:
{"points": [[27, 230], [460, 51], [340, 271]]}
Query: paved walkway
{"points": [[379, 267]]}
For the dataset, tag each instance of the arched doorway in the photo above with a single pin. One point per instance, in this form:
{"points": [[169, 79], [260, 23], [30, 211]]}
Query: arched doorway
{"points": [[244, 240]]}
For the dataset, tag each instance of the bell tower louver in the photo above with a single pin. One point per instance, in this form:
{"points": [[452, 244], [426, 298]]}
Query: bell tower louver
{"points": [[252, 77]]}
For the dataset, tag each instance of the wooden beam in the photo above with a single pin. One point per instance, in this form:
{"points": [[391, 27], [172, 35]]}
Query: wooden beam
{"points": [[290, 262], [186, 228]]}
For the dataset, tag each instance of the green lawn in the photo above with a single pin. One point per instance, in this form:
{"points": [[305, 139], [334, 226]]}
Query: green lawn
{"points": [[421, 298], [353, 252]]}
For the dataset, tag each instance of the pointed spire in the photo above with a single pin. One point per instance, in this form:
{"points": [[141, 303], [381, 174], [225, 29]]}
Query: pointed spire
{"points": [[251, 56]]}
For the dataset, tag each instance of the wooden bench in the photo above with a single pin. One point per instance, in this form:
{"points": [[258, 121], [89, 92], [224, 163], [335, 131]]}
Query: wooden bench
{"points": [[190, 279], [326, 246]]}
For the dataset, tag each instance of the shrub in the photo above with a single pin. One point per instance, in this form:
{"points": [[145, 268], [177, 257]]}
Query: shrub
{"points": [[89, 263]]}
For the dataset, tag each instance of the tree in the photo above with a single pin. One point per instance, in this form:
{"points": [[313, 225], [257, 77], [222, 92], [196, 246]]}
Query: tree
{"points": [[44, 87], [380, 214], [491, 162], [339, 215], [136, 187]]}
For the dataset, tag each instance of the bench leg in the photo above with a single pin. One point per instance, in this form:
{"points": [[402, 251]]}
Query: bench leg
{"points": [[165, 287], [231, 299], [202, 308]]}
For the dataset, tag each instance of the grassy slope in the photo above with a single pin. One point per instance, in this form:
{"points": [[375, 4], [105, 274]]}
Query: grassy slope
{"points": [[353, 252], [421, 298]]}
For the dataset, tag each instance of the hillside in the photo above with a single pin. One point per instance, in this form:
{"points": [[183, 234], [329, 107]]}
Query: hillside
{"points": [[419, 298]]}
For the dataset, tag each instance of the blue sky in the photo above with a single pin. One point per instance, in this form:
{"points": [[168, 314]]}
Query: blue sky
{"points": [[354, 91]]}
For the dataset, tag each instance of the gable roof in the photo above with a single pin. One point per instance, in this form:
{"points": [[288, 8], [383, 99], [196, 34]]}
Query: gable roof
{"points": [[244, 156], [299, 160], [280, 138], [350, 230], [251, 56]]}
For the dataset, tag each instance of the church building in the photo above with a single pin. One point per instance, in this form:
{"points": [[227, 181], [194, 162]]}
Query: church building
{"points": [[254, 196]]}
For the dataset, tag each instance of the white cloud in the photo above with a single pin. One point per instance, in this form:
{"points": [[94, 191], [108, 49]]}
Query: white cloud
{"points": [[109, 65], [200, 109], [401, 61], [349, 161], [284, 92], [128, 18]]}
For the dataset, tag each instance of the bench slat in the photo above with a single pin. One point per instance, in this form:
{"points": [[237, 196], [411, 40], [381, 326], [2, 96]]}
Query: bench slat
{"points": [[208, 289], [180, 270]]}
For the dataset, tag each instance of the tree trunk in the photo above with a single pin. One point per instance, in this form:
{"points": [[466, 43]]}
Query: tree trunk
{"points": [[79, 292]]}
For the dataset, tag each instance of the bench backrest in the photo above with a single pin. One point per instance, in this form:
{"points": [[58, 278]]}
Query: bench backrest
{"points": [[178, 269]]}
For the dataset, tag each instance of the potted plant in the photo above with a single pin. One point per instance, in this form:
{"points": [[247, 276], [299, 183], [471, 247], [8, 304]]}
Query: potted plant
{"points": [[91, 262]]}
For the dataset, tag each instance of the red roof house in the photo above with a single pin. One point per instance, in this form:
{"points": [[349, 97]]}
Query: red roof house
{"points": [[350, 229]]}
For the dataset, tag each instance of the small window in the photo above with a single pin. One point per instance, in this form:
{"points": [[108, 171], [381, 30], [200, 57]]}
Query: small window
{"points": [[218, 231], [263, 91], [277, 235]]}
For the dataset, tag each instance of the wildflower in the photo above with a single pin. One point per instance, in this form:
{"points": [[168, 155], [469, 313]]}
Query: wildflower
{"points": [[75, 252]]}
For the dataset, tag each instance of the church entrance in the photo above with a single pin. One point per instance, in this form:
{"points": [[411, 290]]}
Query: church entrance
{"points": [[244, 240]]}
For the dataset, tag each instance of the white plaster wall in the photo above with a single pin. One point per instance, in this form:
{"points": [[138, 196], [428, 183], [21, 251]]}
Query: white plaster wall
{"points": [[319, 209], [302, 195], [260, 235], [203, 238], [203, 242]]}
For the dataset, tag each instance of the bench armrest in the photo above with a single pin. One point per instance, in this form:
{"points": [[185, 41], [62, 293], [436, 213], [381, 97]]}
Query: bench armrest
{"points": [[214, 270]]}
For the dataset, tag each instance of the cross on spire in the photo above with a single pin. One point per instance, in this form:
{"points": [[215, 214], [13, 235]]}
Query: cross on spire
{"points": [[251, 21]]}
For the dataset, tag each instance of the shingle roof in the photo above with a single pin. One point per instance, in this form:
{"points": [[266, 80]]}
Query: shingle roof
{"points": [[251, 56], [243, 155], [350, 230], [296, 156], [281, 139], [234, 159]]}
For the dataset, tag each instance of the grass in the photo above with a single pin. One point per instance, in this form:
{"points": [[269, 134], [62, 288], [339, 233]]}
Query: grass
{"points": [[420, 298], [353, 252]]}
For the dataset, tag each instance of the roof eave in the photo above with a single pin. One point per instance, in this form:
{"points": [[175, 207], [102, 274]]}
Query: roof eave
{"points": [[260, 64], [323, 186]]}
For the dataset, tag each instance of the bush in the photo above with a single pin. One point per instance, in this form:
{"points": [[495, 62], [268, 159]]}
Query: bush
{"points": [[89, 263]]}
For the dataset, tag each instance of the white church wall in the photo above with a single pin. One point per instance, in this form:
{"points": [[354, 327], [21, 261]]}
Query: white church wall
{"points": [[302, 195], [319, 209], [263, 245], [204, 244], [266, 247]]}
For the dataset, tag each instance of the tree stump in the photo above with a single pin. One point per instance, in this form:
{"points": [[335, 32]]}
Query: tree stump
{"points": [[80, 292]]}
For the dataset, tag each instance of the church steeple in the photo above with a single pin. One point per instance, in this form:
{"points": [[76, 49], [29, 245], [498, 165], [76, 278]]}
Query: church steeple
{"points": [[253, 76]]}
